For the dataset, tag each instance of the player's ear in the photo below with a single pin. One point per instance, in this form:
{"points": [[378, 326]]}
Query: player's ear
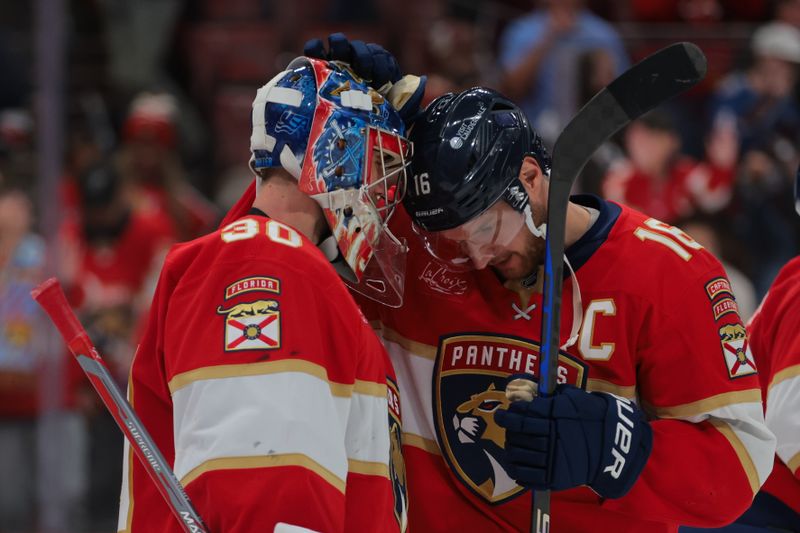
{"points": [[531, 175]]}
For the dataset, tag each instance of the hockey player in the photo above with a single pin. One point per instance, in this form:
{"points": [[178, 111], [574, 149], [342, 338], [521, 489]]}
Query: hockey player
{"points": [[775, 341], [258, 377], [657, 419]]}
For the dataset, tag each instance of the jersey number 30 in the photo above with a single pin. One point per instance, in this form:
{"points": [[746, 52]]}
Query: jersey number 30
{"points": [[247, 228]]}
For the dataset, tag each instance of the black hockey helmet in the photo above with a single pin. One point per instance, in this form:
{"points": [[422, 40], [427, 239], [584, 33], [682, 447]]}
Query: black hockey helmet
{"points": [[468, 152]]}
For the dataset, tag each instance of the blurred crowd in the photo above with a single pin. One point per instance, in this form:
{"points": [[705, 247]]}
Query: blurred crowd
{"points": [[157, 127]]}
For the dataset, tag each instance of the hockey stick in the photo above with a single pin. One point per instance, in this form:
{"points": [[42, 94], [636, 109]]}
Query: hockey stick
{"points": [[655, 79], [51, 298]]}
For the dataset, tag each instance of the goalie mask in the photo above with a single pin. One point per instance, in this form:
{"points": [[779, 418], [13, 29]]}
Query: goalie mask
{"points": [[345, 145]]}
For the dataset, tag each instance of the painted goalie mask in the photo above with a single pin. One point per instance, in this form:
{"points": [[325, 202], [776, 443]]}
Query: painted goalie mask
{"points": [[345, 145]]}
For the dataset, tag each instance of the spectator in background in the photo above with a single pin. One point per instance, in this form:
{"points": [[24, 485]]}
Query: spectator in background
{"points": [[460, 53], [21, 265], [595, 71], [114, 250], [660, 181], [16, 144], [760, 218], [788, 11], [539, 54], [761, 98], [761, 102], [152, 168], [112, 255]]}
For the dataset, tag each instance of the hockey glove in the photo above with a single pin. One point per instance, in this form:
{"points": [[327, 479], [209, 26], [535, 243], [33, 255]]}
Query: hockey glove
{"points": [[376, 65], [576, 438]]}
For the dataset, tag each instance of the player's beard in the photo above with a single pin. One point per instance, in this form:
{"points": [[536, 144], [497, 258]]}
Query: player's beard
{"points": [[520, 263]]}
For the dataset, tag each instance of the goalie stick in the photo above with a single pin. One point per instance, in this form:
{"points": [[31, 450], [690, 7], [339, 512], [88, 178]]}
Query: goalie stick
{"points": [[655, 79], [50, 297]]}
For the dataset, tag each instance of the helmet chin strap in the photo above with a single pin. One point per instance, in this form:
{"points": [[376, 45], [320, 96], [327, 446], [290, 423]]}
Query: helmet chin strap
{"points": [[577, 304], [538, 231]]}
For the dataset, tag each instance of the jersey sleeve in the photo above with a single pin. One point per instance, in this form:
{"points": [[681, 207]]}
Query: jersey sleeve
{"points": [[697, 379], [776, 336], [141, 506]]}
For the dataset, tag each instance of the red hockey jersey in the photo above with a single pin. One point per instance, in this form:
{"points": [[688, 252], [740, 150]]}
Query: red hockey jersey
{"points": [[775, 339], [659, 326], [264, 386]]}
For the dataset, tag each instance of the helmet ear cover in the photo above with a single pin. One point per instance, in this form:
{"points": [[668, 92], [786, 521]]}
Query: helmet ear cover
{"points": [[470, 149]]}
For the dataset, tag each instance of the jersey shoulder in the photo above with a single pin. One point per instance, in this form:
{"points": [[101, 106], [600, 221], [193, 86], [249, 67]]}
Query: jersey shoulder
{"points": [[778, 312], [257, 241], [654, 248], [665, 270]]}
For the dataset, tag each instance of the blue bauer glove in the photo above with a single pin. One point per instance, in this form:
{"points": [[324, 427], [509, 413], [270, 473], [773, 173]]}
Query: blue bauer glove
{"points": [[376, 65], [575, 438], [369, 60]]}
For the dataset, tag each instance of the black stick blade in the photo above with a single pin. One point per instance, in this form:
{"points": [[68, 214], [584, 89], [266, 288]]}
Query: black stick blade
{"points": [[655, 79], [659, 77]]}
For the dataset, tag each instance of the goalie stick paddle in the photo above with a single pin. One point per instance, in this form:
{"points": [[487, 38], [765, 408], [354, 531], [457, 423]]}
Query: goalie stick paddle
{"points": [[655, 79], [50, 297]]}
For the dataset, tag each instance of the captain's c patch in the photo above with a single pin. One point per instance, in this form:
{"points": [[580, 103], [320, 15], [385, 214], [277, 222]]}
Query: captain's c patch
{"points": [[718, 286], [737, 354], [252, 326]]}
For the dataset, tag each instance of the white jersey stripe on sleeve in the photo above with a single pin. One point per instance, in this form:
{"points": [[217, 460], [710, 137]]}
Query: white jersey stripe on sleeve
{"points": [[363, 444], [414, 373], [247, 420], [783, 417]]}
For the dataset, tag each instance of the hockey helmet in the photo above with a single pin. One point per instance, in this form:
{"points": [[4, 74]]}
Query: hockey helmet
{"points": [[469, 151]]}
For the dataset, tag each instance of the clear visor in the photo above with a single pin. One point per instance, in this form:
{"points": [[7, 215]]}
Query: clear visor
{"points": [[383, 279], [478, 243]]}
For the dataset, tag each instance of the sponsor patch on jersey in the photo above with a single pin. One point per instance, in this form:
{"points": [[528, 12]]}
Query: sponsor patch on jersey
{"points": [[725, 306], [252, 326], [469, 381], [253, 284], [718, 286], [397, 465], [736, 350]]}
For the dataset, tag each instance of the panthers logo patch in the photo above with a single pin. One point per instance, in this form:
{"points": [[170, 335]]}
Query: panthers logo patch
{"points": [[468, 387]]}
